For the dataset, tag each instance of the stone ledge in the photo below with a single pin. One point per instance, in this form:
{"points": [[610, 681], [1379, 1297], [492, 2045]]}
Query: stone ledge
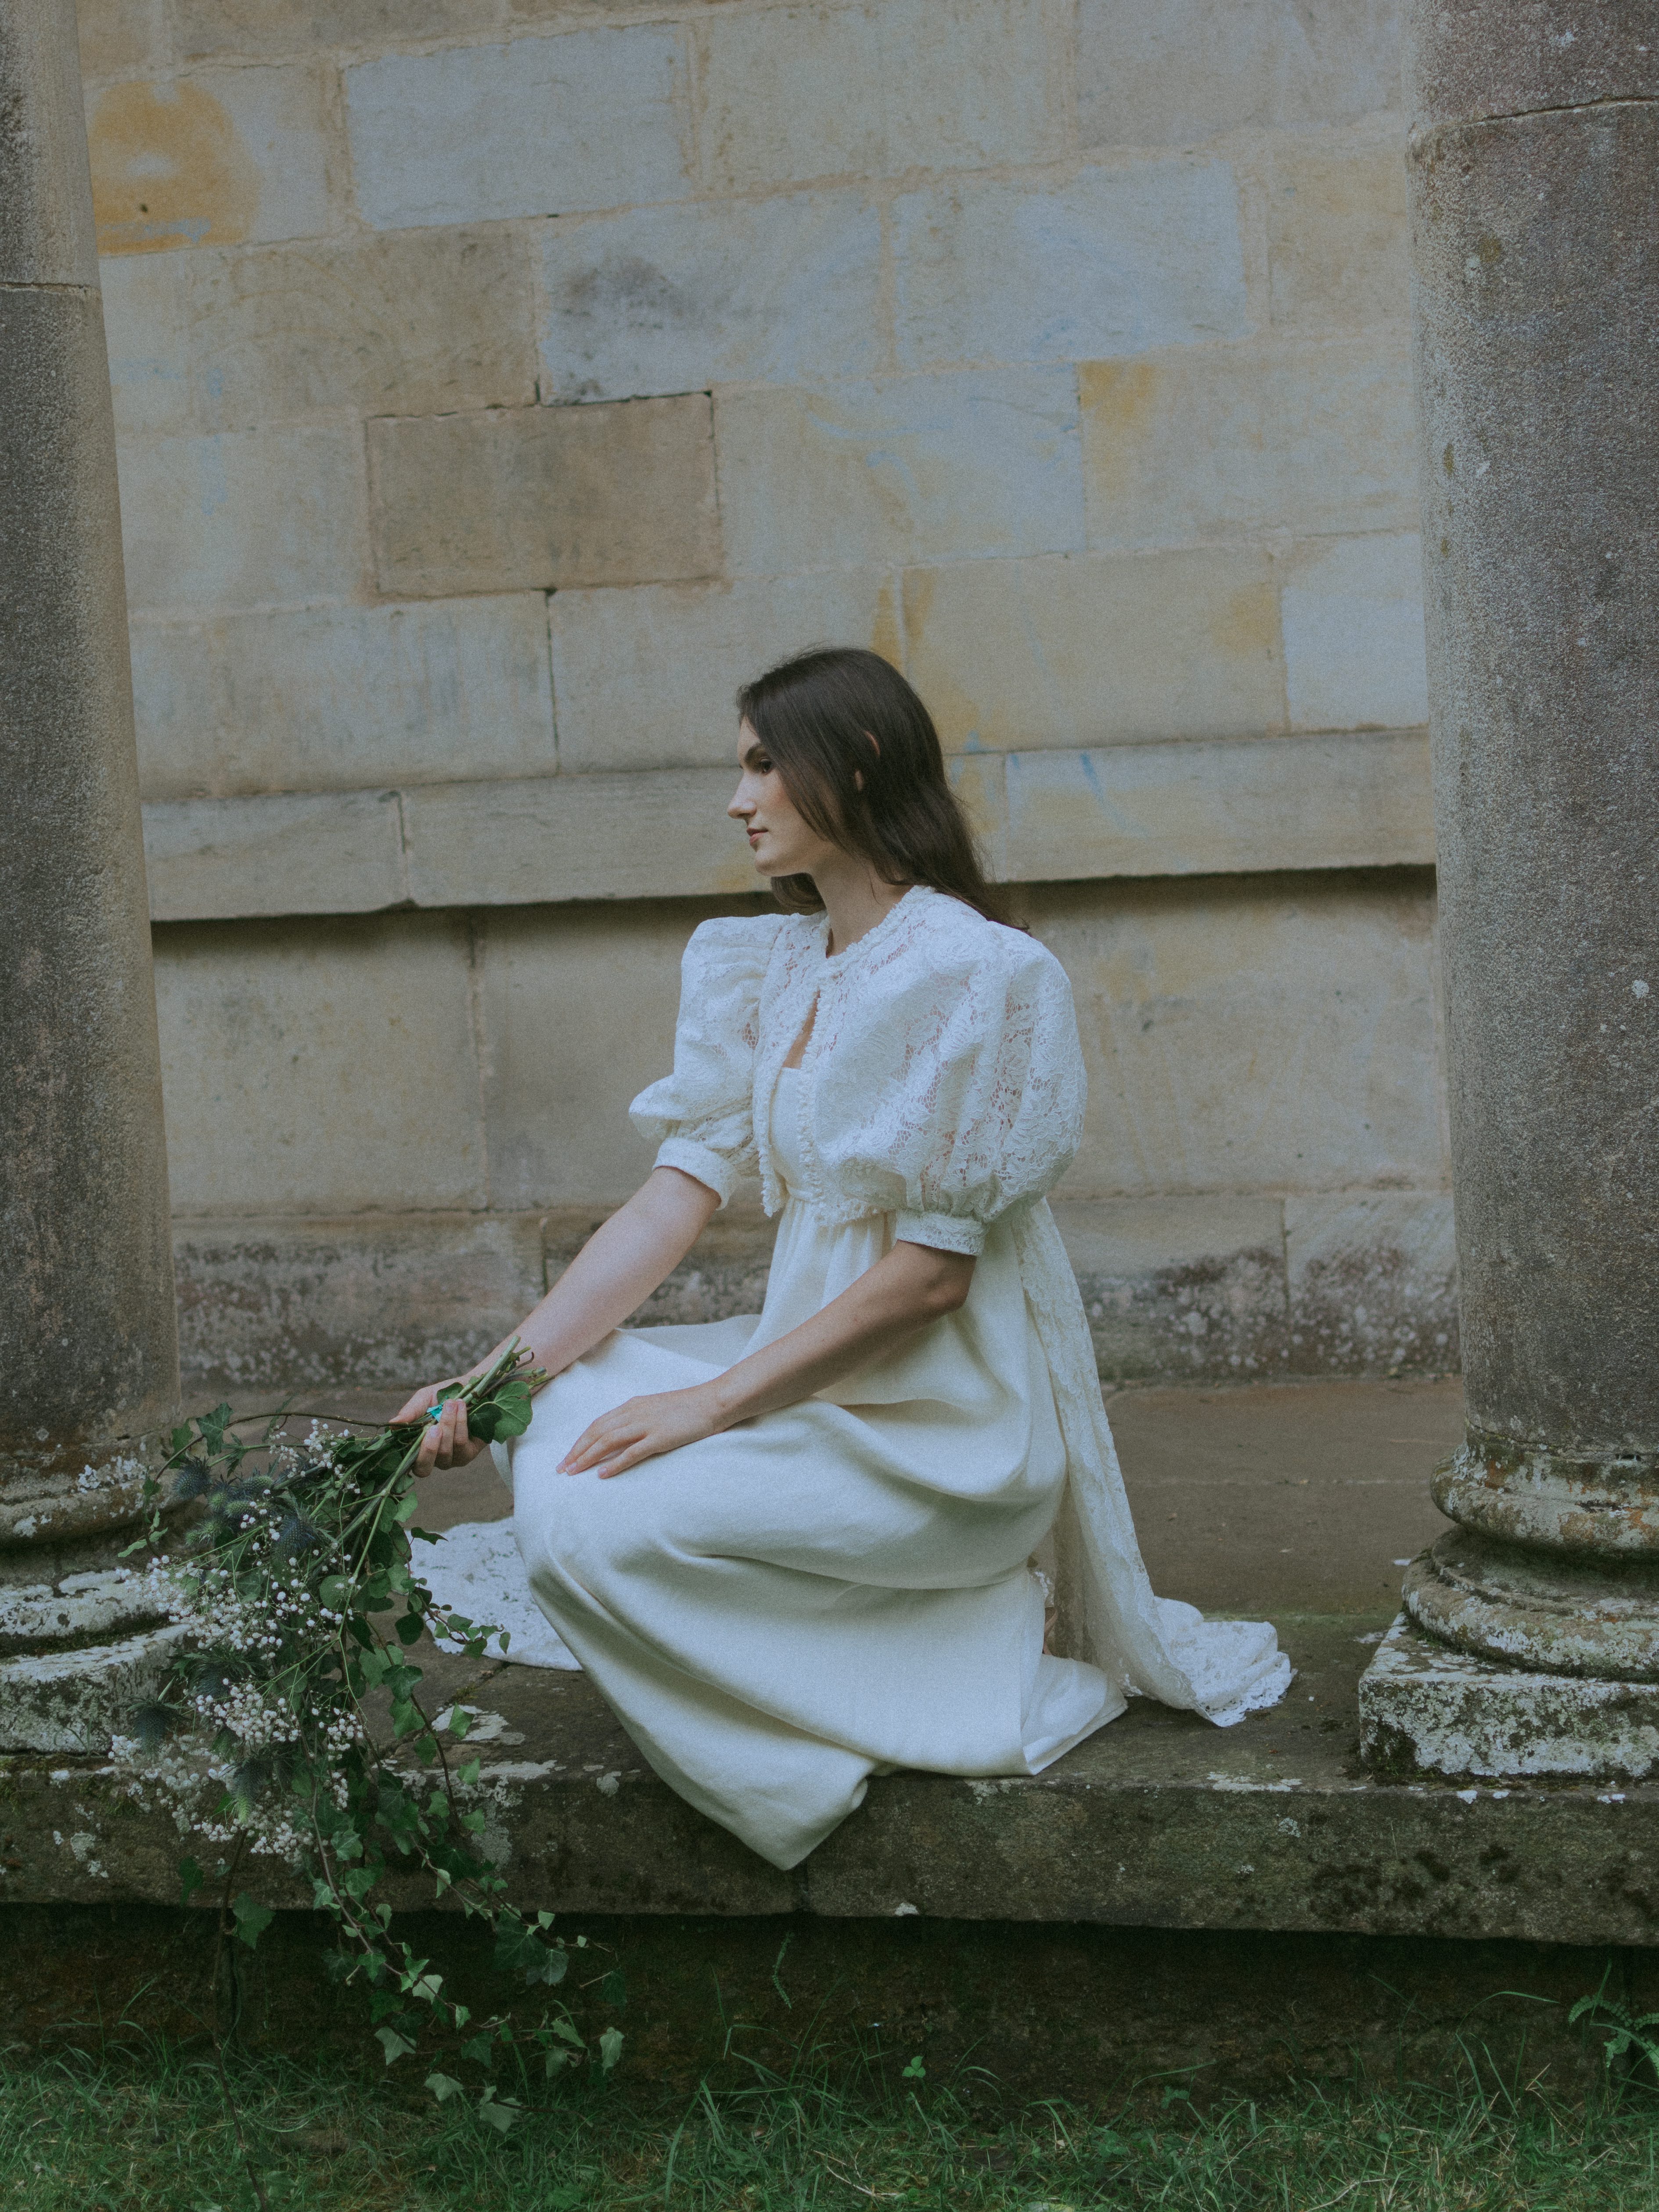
{"points": [[1159, 1821], [1188, 807]]}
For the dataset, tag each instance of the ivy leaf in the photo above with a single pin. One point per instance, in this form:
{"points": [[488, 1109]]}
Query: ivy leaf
{"points": [[395, 2046], [410, 1628], [252, 1919], [500, 2115], [610, 2044], [444, 2086]]}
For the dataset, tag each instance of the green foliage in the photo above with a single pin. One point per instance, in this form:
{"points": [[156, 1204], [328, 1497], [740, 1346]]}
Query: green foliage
{"points": [[295, 1702], [1629, 2032]]}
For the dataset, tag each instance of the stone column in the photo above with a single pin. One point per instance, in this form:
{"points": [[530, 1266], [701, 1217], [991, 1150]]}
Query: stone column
{"points": [[1533, 165], [88, 1348]]}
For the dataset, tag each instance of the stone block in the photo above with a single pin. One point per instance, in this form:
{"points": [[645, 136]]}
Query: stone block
{"points": [[543, 496], [1180, 1288], [1112, 262], [647, 678], [1429, 1712], [1246, 439], [1353, 635], [1373, 1281], [723, 1274], [117, 37], [1173, 72], [429, 323], [789, 94], [1098, 648], [1240, 1036], [208, 860], [213, 159], [591, 118], [334, 698], [1236, 805], [578, 1010], [319, 1067], [553, 838], [246, 518], [1338, 246], [366, 1301], [901, 469], [680, 297], [265, 27]]}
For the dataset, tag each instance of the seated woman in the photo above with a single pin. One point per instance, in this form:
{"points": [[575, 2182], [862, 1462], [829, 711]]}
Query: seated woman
{"points": [[795, 1549]]}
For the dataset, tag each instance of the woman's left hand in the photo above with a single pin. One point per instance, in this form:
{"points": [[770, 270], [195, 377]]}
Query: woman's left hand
{"points": [[642, 1428]]}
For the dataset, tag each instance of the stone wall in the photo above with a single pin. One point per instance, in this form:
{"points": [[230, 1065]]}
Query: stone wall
{"points": [[499, 382]]}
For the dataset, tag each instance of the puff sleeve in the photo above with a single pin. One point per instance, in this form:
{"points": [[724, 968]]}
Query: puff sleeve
{"points": [[981, 1109], [703, 1115]]}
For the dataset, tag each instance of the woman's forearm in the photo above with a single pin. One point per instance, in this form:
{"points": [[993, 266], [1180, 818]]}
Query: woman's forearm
{"points": [[909, 1288], [625, 1259]]}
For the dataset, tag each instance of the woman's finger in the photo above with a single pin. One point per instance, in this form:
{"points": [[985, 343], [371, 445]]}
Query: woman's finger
{"points": [[413, 1409]]}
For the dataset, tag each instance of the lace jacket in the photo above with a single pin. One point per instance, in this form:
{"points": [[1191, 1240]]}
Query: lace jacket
{"points": [[943, 1084]]}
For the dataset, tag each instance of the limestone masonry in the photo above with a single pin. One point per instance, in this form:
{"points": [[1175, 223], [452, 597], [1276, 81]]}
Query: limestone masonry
{"points": [[499, 382]]}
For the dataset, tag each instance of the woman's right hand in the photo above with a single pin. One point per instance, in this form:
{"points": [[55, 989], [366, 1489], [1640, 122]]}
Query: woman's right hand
{"points": [[447, 1442]]}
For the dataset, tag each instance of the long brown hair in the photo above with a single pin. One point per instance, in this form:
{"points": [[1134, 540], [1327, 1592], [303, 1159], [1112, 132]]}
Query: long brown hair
{"points": [[836, 714]]}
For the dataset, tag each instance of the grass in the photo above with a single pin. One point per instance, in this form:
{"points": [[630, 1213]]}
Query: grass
{"points": [[147, 2127]]}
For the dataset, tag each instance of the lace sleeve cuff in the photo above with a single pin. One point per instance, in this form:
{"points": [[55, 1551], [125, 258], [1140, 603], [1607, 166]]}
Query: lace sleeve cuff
{"points": [[700, 1163], [941, 1232]]}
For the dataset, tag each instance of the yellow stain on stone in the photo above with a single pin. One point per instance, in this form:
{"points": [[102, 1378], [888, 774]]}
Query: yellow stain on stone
{"points": [[885, 630], [957, 716], [168, 168], [1117, 400], [1247, 622]]}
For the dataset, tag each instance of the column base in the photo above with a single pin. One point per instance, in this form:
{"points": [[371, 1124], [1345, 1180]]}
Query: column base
{"points": [[1426, 1710], [76, 1700]]}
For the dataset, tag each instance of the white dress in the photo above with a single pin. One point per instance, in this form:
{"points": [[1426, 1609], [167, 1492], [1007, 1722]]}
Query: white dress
{"points": [[845, 1586]]}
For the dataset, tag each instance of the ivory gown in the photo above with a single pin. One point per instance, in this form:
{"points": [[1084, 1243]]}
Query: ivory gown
{"points": [[845, 1586]]}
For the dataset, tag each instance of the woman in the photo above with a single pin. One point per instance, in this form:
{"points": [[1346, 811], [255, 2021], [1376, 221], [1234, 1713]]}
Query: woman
{"points": [[796, 1550]]}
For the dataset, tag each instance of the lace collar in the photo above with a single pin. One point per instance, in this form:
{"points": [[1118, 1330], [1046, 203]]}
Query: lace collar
{"points": [[834, 964]]}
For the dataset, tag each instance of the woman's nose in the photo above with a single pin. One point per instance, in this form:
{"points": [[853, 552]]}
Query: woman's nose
{"points": [[742, 807]]}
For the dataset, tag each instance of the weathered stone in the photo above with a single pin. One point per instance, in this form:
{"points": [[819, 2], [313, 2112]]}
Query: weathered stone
{"points": [[1353, 635], [358, 1302], [1205, 1007], [212, 159], [292, 853], [1549, 1610], [265, 27], [1522, 1494], [332, 698], [1190, 808], [591, 118], [1188, 1287], [348, 1046], [1096, 650], [1113, 261], [1170, 72], [785, 94], [546, 497], [1471, 62], [1336, 242], [647, 678], [1372, 1281], [117, 37], [678, 298], [433, 323], [899, 469], [526, 841], [247, 519], [91, 1367], [1240, 440], [67, 1699], [579, 1007], [45, 216], [1428, 1711]]}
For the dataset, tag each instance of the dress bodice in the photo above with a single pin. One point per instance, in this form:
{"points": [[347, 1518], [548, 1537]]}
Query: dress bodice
{"points": [[786, 1128]]}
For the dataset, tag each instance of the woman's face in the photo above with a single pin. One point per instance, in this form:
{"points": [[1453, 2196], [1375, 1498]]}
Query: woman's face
{"points": [[782, 843]]}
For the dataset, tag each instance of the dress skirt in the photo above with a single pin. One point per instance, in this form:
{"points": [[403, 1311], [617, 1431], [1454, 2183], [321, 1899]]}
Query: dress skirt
{"points": [[843, 1587]]}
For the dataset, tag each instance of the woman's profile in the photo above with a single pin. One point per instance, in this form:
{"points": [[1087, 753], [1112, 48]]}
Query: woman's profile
{"points": [[796, 1549]]}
